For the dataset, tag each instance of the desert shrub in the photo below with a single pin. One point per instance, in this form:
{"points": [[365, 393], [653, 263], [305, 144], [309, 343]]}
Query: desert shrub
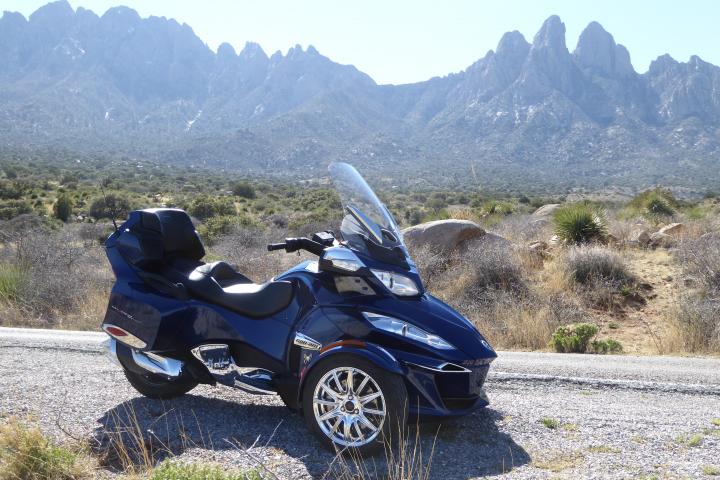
{"points": [[173, 470], [215, 227], [243, 190], [579, 223], [573, 338], [13, 208], [487, 266], [205, 206], [523, 228], [431, 264], [607, 345], [593, 264], [25, 453], [700, 260], [599, 276], [63, 208], [695, 322], [654, 204], [59, 273], [115, 205]]}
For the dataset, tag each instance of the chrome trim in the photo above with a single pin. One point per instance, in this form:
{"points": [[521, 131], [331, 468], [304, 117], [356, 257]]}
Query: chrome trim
{"points": [[442, 367], [109, 348], [306, 342], [218, 365], [264, 374], [222, 366], [129, 339], [157, 364]]}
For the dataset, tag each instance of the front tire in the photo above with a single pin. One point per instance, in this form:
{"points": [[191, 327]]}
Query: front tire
{"points": [[155, 386], [351, 403]]}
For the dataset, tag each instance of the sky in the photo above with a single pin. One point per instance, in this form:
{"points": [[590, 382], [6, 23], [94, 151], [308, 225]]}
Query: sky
{"points": [[404, 41]]}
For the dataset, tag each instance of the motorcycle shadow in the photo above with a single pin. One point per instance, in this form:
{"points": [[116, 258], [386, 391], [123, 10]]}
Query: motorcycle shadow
{"points": [[142, 432]]}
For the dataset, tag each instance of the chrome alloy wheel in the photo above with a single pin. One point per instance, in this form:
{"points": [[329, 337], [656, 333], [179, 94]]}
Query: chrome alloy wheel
{"points": [[349, 407]]}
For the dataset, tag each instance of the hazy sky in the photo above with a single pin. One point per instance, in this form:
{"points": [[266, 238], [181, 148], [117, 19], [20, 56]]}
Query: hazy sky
{"points": [[400, 41]]}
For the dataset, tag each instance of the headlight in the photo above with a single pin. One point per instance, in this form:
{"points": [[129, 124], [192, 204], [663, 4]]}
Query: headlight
{"points": [[396, 283], [404, 329]]}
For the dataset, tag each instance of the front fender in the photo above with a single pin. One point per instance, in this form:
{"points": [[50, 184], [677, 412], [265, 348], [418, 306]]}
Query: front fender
{"points": [[369, 351]]}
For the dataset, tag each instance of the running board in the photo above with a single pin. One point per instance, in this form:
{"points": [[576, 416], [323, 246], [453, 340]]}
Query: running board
{"points": [[221, 365]]}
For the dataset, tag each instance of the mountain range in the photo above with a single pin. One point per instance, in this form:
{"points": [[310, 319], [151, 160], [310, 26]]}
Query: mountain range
{"points": [[527, 113]]}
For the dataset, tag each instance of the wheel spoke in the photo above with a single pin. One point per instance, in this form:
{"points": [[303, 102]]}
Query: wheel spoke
{"points": [[337, 382], [346, 430], [330, 391], [369, 397], [335, 412], [358, 430], [327, 403], [362, 384], [374, 412], [363, 419], [350, 381]]}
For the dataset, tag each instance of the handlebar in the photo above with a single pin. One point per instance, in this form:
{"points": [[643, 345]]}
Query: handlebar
{"points": [[295, 244]]}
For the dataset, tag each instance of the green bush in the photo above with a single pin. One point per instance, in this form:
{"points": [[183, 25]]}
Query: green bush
{"points": [[63, 207], [173, 470], [10, 209], [573, 338], [205, 206], [215, 227], [12, 279], [243, 190], [578, 223], [658, 202], [111, 205], [607, 345]]}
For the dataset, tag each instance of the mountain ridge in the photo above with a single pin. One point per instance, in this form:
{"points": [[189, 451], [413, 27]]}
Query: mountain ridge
{"points": [[525, 112]]}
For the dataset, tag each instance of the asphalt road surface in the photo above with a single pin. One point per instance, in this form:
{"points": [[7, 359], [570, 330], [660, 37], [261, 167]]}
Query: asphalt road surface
{"points": [[551, 415]]}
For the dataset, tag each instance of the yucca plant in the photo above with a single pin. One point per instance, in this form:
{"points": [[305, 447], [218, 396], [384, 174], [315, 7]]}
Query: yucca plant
{"points": [[578, 223]]}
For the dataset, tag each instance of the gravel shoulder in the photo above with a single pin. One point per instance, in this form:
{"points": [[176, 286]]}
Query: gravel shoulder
{"points": [[614, 416]]}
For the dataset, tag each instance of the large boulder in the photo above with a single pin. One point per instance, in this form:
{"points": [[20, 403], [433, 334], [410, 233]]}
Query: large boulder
{"points": [[443, 235], [659, 239], [546, 210], [639, 237], [674, 229]]}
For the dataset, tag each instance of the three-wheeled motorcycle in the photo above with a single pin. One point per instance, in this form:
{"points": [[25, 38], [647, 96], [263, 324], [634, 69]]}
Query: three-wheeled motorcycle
{"points": [[350, 340]]}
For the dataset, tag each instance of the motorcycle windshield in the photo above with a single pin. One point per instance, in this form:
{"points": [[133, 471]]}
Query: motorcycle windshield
{"points": [[368, 226]]}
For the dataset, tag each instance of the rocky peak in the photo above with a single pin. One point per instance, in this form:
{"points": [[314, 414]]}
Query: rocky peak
{"points": [[53, 12], [252, 50], [551, 36], [662, 64], [226, 53], [597, 52], [513, 45]]}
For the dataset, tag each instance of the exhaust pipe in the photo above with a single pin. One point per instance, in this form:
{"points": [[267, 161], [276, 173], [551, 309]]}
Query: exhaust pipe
{"points": [[151, 362]]}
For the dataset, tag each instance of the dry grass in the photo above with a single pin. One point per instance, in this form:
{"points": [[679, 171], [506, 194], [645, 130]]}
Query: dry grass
{"points": [[25, 453]]}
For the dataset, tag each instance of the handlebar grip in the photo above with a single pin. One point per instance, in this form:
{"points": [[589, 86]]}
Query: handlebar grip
{"points": [[276, 246]]}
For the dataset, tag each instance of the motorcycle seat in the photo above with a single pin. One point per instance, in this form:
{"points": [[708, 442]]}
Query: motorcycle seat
{"points": [[218, 283]]}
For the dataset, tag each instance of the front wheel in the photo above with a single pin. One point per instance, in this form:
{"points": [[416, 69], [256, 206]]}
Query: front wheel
{"points": [[155, 386], [349, 402]]}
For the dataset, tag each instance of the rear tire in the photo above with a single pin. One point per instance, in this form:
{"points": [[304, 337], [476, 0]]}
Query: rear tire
{"points": [[328, 407], [155, 386]]}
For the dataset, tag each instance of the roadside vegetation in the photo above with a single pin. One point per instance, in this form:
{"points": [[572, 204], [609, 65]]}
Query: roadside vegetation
{"points": [[620, 263]]}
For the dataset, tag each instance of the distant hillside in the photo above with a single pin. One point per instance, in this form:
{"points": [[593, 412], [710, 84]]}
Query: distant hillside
{"points": [[524, 114]]}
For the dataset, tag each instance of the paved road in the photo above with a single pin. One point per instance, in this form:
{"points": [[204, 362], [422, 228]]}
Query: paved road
{"points": [[617, 416]]}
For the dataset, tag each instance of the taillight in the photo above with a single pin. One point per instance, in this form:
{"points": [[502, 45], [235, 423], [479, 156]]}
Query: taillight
{"points": [[122, 335]]}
